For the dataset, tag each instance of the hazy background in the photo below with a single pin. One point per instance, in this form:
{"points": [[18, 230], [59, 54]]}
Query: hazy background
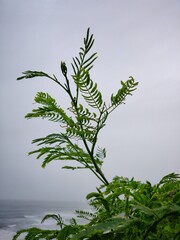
{"points": [[138, 38]]}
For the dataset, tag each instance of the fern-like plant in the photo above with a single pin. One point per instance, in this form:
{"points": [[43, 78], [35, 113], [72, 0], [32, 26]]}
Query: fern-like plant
{"points": [[79, 122], [123, 208]]}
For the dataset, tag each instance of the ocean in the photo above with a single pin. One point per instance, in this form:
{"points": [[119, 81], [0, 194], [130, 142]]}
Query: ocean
{"points": [[18, 214]]}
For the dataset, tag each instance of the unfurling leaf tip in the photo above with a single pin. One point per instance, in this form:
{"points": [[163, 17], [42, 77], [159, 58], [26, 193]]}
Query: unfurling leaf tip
{"points": [[63, 68]]}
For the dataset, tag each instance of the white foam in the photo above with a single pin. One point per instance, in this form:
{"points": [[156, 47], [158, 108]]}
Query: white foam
{"points": [[6, 235], [11, 225], [30, 216]]}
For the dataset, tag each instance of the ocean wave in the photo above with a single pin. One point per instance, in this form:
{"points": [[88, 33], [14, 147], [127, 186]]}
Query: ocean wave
{"points": [[11, 225], [6, 235], [22, 215], [30, 216]]}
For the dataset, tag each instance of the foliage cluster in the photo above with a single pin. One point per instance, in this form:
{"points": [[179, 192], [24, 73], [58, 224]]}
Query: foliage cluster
{"points": [[121, 209]]}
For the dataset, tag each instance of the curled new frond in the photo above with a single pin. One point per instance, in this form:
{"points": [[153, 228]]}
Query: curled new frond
{"points": [[127, 88], [101, 153]]}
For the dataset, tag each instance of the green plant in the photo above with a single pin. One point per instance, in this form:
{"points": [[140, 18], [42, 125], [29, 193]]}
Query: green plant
{"points": [[123, 208]]}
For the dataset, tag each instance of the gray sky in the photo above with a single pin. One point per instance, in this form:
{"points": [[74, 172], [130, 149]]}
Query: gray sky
{"points": [[138, 38]]}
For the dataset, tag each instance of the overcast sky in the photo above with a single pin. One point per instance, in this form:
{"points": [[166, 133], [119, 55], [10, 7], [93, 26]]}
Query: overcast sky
{"points": [[139, 38]]}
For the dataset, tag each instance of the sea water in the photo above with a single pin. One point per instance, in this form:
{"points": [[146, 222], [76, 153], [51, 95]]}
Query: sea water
{"points": [[16, 215]]}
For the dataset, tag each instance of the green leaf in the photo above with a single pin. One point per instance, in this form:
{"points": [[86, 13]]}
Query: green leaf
{"points": [[100, 228], [92, 194], [66, 232]]}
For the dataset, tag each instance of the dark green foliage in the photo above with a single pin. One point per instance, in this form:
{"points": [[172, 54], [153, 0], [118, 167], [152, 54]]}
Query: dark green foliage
{"points": [[125, 209], [36, 233], [146, 211], [121, 209]]}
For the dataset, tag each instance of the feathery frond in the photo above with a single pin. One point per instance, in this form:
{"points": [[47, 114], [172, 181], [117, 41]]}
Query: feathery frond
{"points": [[49, 110], [56, 217], [101, 153], [85, 215], [59, 147], [81, 67], [127, 88], [123, 208]]}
